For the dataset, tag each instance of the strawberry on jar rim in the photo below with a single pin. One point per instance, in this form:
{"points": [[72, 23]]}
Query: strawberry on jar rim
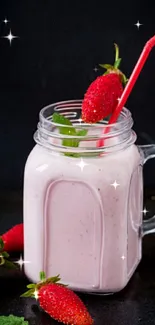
{"points": [[101, 97]]}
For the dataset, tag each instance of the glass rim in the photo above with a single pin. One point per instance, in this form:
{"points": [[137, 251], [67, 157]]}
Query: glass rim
{"points": [[58, 107], [48, 134]]}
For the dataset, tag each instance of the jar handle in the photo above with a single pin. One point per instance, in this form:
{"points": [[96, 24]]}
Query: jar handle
{"points": [[147, 152]]}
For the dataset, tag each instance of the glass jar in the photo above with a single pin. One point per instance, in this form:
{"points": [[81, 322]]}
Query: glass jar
{"points": [[83, 204]]}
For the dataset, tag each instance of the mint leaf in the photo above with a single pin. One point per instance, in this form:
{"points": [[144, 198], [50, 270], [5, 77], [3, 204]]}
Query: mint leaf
{"points": [[60, 119], [81, 133], [12, 320], [68, 130]]}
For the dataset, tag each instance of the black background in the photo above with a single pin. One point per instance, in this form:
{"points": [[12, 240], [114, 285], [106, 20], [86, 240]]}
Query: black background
{"points": [[59, 45]]}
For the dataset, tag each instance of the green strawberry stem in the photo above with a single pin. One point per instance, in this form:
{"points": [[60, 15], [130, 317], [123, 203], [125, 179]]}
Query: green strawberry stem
{"points": [[115, 68], [4, 257], [34, 287], [116, 52]]}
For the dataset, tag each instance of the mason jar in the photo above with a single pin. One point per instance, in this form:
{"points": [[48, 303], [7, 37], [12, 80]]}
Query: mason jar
{"points": [[83, 204]]}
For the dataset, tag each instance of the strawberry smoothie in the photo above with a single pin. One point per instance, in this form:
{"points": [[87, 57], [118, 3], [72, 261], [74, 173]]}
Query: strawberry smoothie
{"points": [[82, 217]]}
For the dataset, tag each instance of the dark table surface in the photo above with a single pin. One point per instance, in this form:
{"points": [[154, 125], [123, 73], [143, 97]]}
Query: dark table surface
{"points": [[135, 305]]}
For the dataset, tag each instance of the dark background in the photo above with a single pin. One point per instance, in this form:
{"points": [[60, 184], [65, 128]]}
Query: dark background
{"points": [[59, 45]]}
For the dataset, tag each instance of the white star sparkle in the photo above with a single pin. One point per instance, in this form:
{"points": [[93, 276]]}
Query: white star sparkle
{"points": [[115, 184], [123, 257], [10, 37], [5, 21], [145, 211], [118, 99], [95, 69], [82, 164], [36, 296], [21, 262], [138, 24], [80, 120]]}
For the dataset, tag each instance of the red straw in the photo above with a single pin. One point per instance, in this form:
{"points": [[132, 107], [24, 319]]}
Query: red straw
{"points": [[134, 76]]}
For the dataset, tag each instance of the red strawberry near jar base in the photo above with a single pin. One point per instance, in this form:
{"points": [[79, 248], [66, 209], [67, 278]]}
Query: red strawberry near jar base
{"points": [[102, 95], [13, 239], [59, 302]]}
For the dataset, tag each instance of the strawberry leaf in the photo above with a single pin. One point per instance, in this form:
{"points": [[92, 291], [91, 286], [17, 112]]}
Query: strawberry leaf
{"points": [[31, 286], [4, 257], [34, 288], [1, 244], [5, 254], [53, 279], [42, 276], [10, 265], [107, 66], [29, 293], [115, 68], [124, 79], [2, 260]]}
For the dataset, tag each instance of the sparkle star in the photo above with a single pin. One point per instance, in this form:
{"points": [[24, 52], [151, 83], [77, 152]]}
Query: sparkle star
{"points": [[95, 69], [10, 37], [21, 262], [82, 164], [145, 211], [138, 24], [80, 120], [36, 296], [118, 99], [5, 21], [115, 184], [123, 257]]}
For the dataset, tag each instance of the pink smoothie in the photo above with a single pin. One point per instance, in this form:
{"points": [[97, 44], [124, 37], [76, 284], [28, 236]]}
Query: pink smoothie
{"points": [[77, 224]]}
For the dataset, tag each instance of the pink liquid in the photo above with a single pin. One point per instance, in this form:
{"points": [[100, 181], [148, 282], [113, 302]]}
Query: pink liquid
{"points": [[77, 224]]}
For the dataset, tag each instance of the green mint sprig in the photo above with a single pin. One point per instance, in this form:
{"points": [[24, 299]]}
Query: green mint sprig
{"points": [[68, 130], [12, 320], [4, 258]]}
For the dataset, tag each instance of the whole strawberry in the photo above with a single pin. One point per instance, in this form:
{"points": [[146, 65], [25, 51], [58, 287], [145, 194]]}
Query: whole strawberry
{"points": [[59, 302], [102, 95], [13, 239]]}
